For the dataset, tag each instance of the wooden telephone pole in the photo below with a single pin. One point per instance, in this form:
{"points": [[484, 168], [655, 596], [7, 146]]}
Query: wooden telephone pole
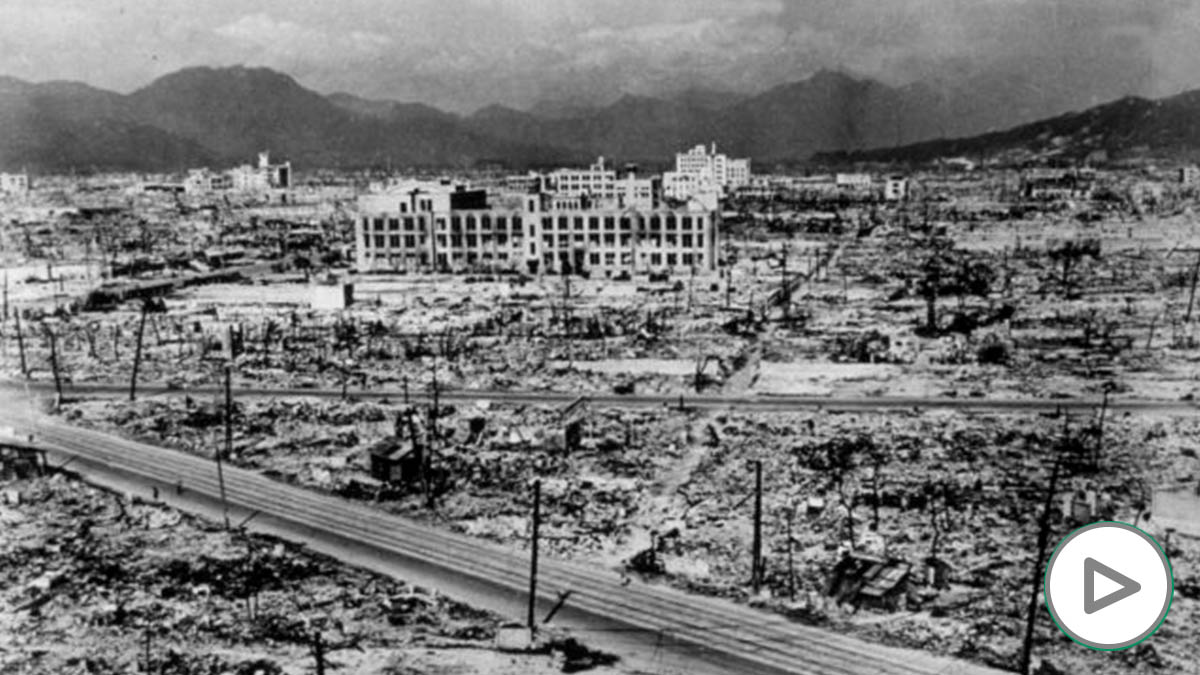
{"points": [[53, 339], [21, 345], [137, 353], [1042, 544], [533, 555], [228, 448], [757, 564]]}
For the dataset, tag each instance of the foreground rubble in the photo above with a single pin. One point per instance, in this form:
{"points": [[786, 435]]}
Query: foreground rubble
{"points": [[947, 504], [93, 582]]}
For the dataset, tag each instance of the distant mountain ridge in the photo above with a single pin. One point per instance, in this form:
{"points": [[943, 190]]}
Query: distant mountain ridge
{"points": [[1131, 126], [222, 116]]}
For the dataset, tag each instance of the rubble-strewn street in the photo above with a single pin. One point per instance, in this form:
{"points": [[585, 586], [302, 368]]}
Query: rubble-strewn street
{"points": [[95, 582], [953, 501]]}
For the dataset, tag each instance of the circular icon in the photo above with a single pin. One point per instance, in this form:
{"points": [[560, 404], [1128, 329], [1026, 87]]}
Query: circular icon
{"points": [[1108, 585]]}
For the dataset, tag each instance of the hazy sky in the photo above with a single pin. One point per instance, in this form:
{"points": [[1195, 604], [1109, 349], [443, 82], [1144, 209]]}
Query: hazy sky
{"points": [[462, 54]]}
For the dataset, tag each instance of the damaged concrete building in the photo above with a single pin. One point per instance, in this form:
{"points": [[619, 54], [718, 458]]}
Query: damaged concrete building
{"points": [[423, 226]]}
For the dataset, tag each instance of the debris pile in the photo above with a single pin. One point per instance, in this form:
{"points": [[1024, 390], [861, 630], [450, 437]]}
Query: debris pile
{"points": [[95, 582]]}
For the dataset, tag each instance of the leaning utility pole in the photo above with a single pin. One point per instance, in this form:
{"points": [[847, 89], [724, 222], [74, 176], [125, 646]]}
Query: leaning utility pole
{"points": [[1042, 544], [533, 555], [137, 354], [1192, 292]]}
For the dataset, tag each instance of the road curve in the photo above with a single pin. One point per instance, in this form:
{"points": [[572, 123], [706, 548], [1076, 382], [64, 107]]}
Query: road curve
{"points": [[757, 403], [731, 637]]}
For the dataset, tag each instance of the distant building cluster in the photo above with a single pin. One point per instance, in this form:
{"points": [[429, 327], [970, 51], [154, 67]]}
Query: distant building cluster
{"points": [[702, 171], [261, 177], [599, 186], [1058, 185], [593, 220], [14, 183]]}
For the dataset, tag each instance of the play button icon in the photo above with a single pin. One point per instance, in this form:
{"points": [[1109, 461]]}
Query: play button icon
{"points": [[1091, 567], [1103, 565]]}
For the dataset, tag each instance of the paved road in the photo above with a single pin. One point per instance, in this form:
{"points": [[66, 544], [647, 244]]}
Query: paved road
{"points": [[763, 403], [724, 636]]}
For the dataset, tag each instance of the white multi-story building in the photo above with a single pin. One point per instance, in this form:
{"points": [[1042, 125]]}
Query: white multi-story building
{"points": [[14, 183], [424, 227], [704, 170], [853, 181], [596, 181], [263, 176], [895, 189], [203, 181], [599, 186]]}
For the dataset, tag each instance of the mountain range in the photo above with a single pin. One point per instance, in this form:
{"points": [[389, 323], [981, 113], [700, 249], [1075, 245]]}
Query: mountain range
{"points": [[220, 117], [1128, 127]]}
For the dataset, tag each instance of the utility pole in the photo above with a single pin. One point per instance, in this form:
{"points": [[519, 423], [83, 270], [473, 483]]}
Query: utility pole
{"points": [[791, 517], [1042, 544], [148, 641], [533, 555], [757, 570], [21, 345], [784, 293], [1100, 428], [318, 650], [137, 354], [228, 442], [1192, 292], [54, 365]]}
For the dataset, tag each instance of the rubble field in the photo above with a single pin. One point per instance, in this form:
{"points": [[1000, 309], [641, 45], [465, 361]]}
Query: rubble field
{"points": [[915, 529], [94, 582], [1040, 305]]}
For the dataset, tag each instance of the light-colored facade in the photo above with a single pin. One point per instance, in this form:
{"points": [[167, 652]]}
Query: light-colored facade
{"points": [[262, 176], [427, 228], [14, 183], [853, 181], [704, 169], [895, 189], [202, 181], [599, 186], [596, 181]]}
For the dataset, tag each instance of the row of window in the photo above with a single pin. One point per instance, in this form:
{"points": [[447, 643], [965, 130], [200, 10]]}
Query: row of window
{"points": [[626, 259], [472, 222], [610, 259], [410, 241], [514, 224], [624, 223]]}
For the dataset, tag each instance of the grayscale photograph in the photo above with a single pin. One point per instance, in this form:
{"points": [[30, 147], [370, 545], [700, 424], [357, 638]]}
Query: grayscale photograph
{"points": [[620, 337]]}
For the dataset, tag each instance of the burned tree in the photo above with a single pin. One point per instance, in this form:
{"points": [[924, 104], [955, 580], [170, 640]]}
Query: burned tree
{"points": [[940, 270], [1069, 255], [837, 459]]}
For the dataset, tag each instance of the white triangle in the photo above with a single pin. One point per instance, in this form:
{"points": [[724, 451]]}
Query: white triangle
{"points": [[1105, 587]]}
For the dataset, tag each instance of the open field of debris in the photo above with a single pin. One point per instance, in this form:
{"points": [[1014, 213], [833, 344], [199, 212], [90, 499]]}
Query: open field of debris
{"points": [[95, 582], [944, 301], [911, 529], [918, 529]]}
